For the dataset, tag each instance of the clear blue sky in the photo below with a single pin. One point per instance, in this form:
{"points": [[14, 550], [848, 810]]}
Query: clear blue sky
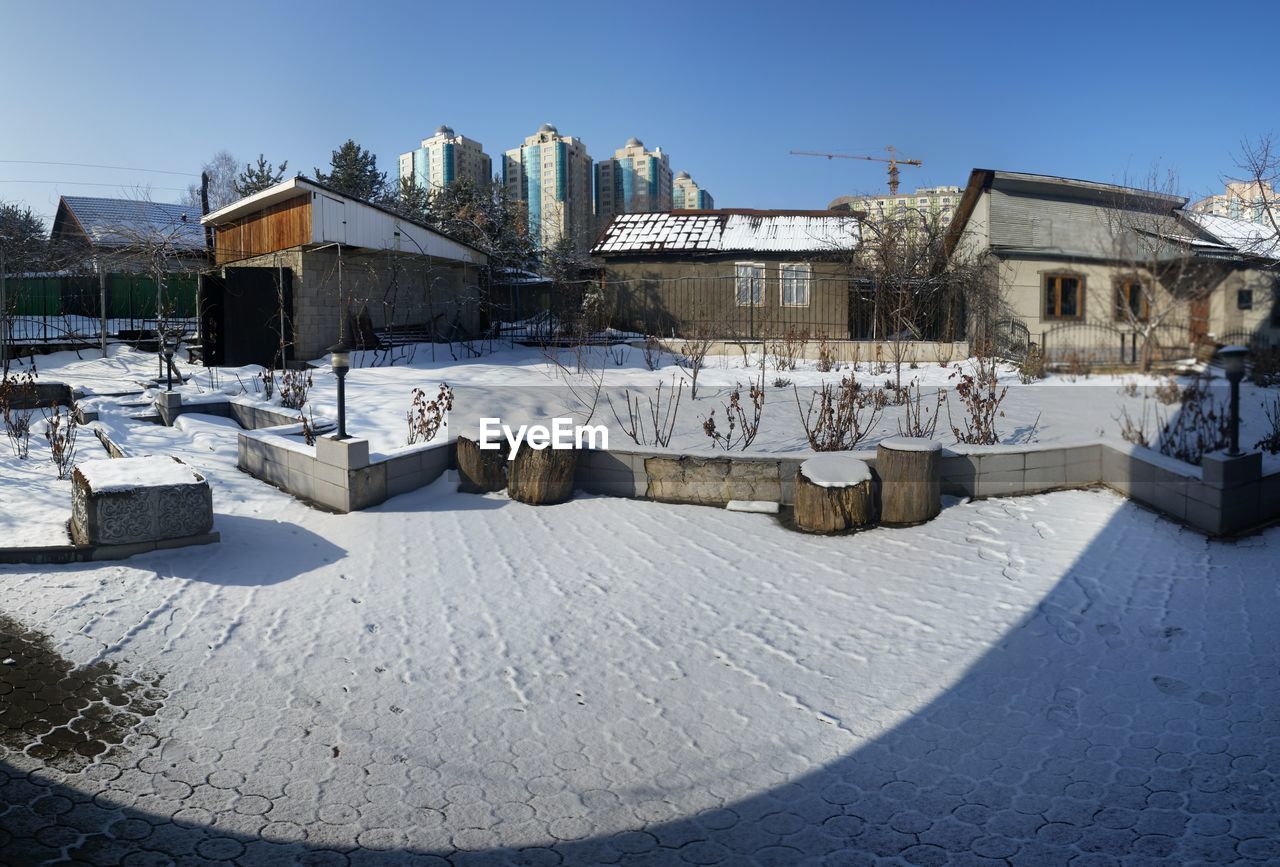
{"points": [[1100, 91]]}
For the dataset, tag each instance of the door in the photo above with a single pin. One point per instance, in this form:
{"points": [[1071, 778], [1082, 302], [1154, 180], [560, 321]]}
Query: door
{"points": [[333, 220], [1199, 324], [256, 316]]}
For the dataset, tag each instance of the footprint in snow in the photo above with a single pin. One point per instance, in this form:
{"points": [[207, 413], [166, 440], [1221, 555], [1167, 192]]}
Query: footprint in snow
{"points": [[1044, 529], [1170, 685]]}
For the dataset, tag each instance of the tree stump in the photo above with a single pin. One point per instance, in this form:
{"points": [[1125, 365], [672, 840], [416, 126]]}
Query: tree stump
{"points": [[910, 470], [542, 477], [833, 492], [481, 471]]}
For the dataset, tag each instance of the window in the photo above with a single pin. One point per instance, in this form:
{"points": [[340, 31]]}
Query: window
{"points": [[749, 284], [795, 284], [1132, 301], [1063, 296], [1244, 299]]}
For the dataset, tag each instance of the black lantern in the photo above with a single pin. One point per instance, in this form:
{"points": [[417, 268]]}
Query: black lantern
{"points": [[1232, 360], [340, 358], [170, 346]]}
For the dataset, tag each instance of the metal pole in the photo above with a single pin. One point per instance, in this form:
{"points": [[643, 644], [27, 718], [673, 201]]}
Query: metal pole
{"points": [[4, 313], [1235, 415], [342, 405], [102, 305]]}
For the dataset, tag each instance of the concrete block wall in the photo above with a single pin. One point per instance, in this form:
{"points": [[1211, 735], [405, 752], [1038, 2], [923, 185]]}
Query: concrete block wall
{"points": [[338, 475]]}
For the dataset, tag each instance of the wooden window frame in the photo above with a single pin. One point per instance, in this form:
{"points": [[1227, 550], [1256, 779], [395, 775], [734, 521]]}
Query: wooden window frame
{"points": [[1047, 279], [737, 278], [1122, 309], [807, 270]]}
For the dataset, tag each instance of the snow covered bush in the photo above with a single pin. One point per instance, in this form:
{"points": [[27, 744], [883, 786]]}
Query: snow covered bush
{"points": [[1134, 430], [840, 416], [426, 417], [790, 348], [1266, 367], [1168, 392], [652, 352], [268, 378], [826, 355]]}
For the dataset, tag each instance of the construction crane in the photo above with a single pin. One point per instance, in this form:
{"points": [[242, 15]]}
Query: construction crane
{"points": [[893, 160]]}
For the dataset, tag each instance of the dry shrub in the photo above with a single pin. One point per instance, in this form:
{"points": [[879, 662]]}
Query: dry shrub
{"points": [[295, 385], [920, 419], [652, 352], [1168, 392], [17, 405], [826, 355], [1266, 366], [60, 433], [1134, 430], [1077, 366], [790, 348], [840, 416], [426, 417], [981, 395], [742, 430], [268, 378], [1200, 425], [1032, 366], [1270, 442], [662, 419]]}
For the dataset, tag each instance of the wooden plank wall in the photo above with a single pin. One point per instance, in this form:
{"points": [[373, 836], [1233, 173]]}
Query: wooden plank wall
{"points": [[278, 227]]}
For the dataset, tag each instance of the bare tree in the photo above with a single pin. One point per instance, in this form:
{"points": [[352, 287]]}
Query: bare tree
{"points": [[222, 169], [1157, 277]]}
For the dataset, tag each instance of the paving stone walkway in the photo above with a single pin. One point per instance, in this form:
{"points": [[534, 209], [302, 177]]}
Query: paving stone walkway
{"points": [[1063, 679]]}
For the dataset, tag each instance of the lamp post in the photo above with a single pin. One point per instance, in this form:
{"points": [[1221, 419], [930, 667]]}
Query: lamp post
{"points": [[1232, 359], [170, 344], [340, 358]]}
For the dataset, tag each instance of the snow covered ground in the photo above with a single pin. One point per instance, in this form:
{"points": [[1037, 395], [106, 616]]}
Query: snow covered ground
{"points": [[612, 681]]}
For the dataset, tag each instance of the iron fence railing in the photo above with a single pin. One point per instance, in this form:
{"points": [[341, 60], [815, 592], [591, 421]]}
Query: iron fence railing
{"points": [[1098, 343]]}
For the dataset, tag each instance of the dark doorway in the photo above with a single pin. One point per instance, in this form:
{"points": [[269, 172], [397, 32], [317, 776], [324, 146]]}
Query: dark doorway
{"points": [[245, 317]]}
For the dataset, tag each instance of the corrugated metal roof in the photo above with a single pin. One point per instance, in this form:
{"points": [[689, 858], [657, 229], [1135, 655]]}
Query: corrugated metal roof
{"points": [[1251, 239], [729, 232], [112, 222]]}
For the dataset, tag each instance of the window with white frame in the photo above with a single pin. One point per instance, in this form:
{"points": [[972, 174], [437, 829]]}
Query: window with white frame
{"points": [[795, 283], [749, 283]]}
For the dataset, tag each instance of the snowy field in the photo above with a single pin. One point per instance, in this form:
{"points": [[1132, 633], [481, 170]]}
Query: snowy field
{"points": [[467, 678]]}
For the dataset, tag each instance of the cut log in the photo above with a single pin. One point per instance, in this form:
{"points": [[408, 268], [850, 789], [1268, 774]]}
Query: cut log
{"points": [[834, 492], [910, 470], [542, 477], [481, 471]]}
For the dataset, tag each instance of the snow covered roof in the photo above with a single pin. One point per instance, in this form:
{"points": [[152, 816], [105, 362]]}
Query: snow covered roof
{"points": [[117, 222], [729, 231], [1251, 239]]}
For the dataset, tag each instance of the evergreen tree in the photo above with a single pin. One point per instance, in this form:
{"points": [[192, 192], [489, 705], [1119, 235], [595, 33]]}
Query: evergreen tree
{"points": [[355, 173], [22, 235], [413, 202], [255, 179]]}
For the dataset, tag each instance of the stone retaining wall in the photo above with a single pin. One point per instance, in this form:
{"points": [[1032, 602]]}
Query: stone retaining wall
{"points": [[1214, 501]]}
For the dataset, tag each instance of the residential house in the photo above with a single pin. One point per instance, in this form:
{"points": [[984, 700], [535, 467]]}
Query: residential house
{"points": [[729, 273], [112, 250], [301, 262], [1100, 270]]}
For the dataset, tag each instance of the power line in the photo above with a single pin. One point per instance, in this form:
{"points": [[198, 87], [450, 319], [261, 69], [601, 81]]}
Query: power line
{"points": [[84, 184], [98, 166]]}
